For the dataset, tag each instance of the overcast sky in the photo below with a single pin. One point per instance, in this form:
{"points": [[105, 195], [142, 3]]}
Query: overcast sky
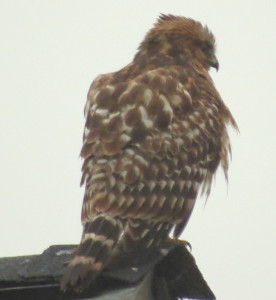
{"points": [[50, 53]]}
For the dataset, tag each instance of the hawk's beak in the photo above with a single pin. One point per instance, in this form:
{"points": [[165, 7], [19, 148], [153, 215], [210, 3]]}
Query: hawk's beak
{"points": [[214, 63]]}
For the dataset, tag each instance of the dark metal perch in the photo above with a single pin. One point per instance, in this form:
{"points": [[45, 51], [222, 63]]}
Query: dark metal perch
{"points": [[173, 275]]}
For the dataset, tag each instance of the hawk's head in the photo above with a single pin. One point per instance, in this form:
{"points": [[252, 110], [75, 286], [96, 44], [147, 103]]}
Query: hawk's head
{"points": [[180, 39]]}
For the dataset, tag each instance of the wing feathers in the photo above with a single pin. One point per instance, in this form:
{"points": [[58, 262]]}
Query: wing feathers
{"points": [[150, 144]]}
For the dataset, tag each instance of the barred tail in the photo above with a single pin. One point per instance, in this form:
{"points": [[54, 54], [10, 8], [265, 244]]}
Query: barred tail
{"points": [[99, 238]]}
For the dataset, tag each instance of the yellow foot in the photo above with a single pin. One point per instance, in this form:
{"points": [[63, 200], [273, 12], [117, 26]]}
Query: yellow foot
{"points": [[178, 242]]}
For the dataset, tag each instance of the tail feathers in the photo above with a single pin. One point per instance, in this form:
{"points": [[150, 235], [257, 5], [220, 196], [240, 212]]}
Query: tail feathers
{"points": [[93, 253], [80, 273]]}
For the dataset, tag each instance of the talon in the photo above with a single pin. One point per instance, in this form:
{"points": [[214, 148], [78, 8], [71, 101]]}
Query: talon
{"points": [[179, 242]]}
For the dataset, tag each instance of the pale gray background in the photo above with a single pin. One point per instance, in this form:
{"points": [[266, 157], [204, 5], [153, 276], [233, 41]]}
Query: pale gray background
{"points": [[51, 51]]}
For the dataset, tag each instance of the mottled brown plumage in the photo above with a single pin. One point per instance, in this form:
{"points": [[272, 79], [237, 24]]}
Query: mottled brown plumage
{"points": [[155, 133]]}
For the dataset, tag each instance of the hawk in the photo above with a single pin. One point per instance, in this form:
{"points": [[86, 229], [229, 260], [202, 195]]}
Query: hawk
{"points": [[155, 134]]}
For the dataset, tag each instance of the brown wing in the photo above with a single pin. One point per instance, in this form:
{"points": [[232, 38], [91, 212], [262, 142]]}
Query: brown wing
{"points": [[150, 143]]}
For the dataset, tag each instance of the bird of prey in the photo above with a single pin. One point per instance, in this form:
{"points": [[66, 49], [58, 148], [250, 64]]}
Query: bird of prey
{"points": [[154, 136]]}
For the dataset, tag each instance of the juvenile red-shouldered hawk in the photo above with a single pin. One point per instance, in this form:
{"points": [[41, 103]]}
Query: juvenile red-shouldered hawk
{"points": [[155, 134]]}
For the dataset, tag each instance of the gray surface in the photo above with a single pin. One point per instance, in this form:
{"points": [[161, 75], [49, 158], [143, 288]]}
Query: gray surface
{"points": [[168, 277], [48, 265], [141, 291]]}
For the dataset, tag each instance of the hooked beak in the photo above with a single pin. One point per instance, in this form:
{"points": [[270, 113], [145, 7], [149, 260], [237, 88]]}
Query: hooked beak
{"points": [[214, 63]]}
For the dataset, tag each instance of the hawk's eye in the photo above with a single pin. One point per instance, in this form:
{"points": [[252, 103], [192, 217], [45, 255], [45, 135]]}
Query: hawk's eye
{"points": [[207, 48]]}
